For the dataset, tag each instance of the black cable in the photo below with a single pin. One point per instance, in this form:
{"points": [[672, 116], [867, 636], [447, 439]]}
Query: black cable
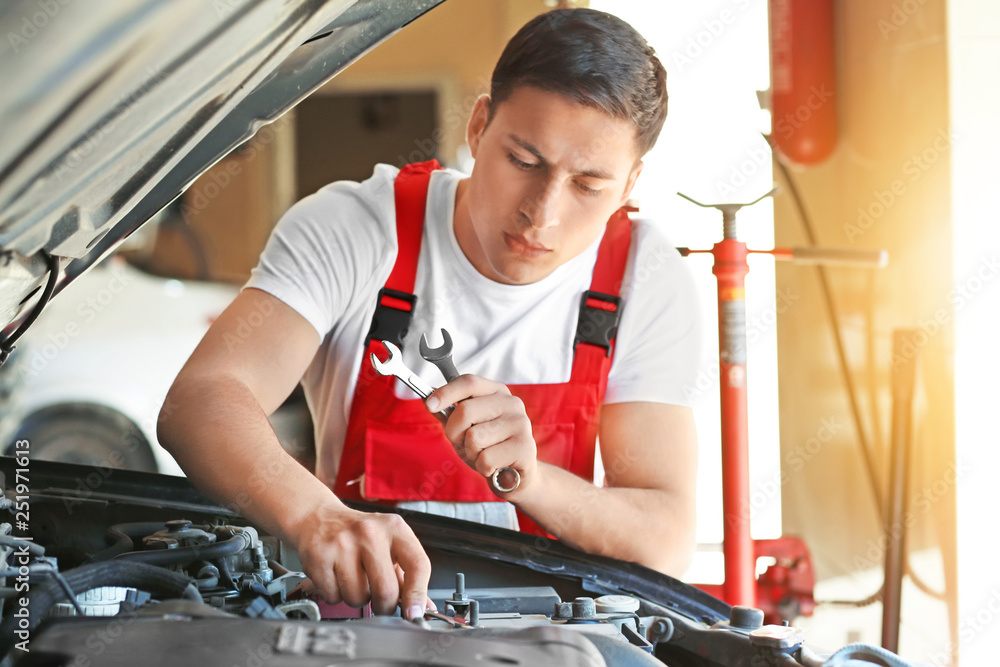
{"points": [[831, 312], [851, 391], [868, 601], [7, 346]]}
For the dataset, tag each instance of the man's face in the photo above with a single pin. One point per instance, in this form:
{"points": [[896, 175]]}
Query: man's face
{"points": [[549, 173]]}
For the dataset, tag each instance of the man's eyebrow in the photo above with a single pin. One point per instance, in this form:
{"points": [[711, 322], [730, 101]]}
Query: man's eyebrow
{"points": [[527, 146], [599, 174]]}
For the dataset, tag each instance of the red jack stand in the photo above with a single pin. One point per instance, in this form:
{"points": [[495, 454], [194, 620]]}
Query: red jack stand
{"points": [[792, 576]]}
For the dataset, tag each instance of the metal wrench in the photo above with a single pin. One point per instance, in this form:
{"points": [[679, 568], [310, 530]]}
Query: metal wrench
{"points": [[394, 365], [441, 357]]}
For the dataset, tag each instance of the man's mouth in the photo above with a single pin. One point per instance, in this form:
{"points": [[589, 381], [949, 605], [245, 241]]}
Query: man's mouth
{"points": [[521, 246]]}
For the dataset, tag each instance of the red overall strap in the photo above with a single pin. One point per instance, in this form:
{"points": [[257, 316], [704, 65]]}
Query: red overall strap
{"points": [[411, 205], [592, 362], [411, 188]]}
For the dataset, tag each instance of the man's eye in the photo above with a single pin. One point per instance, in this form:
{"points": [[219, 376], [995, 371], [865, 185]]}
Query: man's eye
{"points": [[520, 164], [586, 190]]}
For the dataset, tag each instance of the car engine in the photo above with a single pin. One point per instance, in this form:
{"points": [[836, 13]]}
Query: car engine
{"points": [[110, 567]]}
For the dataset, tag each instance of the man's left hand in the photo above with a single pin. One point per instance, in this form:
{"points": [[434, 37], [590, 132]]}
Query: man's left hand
{"points": [[489, 427]]}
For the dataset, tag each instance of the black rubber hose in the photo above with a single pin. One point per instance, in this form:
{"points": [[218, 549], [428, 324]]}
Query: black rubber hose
{"points": [[155, 580], [185, 555], [120, 536]]}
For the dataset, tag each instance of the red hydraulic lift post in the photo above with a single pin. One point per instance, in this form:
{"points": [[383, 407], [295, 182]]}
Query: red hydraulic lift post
{"points": [[730, 268]]}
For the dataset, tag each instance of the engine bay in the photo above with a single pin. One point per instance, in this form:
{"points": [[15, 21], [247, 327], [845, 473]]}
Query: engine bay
{"points": [[110, 567]]}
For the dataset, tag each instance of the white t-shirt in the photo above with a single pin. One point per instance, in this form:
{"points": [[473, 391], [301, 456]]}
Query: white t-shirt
{"points": [[331, 252]]}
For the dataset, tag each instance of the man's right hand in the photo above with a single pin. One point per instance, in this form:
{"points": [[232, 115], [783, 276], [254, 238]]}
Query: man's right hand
{"points": [[214, 422], [355, 557]]}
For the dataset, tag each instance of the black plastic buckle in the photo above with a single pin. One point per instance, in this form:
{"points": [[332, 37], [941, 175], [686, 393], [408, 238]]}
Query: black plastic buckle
{"points": [[597, 326], [389, 322]]}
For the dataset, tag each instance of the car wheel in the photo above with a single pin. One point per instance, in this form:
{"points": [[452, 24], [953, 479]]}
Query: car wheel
{"points": [[86, 434]]}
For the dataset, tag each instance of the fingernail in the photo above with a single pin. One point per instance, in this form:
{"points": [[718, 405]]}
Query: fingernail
{"points": [[415, 611], [433, 403]]}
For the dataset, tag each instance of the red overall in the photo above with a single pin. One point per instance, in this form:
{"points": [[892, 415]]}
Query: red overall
{"points": [[400, 448]]}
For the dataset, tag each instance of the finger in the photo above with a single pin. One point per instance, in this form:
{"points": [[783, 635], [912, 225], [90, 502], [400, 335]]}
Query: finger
{"points": [[382, 581], [416, 566], [506, 454], [322, 582], [482, 436], [351, 579], [304, 587], [428, 602], [480, 410], [461, 388]]}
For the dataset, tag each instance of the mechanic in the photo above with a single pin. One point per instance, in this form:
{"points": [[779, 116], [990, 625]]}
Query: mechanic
{"points": [[502, 259]]}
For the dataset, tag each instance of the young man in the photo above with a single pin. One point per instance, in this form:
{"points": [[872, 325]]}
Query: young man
{"points": [[502, 259]]}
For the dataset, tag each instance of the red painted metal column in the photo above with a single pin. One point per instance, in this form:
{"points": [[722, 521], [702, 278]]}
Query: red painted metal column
{"points": [[730, 269]]}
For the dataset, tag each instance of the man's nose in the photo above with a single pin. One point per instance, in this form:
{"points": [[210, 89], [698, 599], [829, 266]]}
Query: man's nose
{"points": [[542, 206]]}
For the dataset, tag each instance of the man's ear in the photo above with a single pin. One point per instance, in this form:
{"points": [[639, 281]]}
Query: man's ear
{"points": [[632, 177], [478, 120]]}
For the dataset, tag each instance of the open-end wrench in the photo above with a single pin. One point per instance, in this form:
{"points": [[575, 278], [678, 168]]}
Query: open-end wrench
{"points": [[394, 365], [441, 357]]}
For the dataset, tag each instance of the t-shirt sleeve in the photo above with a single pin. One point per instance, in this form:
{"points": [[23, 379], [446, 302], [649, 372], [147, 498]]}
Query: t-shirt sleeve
{"points": [[328, 246], [659, 348]]}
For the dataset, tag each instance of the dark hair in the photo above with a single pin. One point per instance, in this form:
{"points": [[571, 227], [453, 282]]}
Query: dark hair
{"points": [[593, 58]]}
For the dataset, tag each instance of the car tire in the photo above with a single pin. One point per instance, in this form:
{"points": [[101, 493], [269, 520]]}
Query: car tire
{"points": [[86, 434]]}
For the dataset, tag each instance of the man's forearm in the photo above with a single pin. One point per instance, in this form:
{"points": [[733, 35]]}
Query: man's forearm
{"points": [[639, 525], [220, 436]]}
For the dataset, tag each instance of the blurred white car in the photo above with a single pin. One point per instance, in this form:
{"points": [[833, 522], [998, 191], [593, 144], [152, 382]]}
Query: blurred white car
{"points": [[97, 364]]}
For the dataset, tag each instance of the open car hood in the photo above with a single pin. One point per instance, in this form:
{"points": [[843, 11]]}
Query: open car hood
{"points": [[111, 109]]}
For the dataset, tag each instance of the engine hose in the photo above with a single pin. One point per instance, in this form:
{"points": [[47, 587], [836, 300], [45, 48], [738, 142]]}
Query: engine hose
{"points": [[225, 576], [616, 652], [184, 555], [17, 542], [120, 536], [145, 577]]}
